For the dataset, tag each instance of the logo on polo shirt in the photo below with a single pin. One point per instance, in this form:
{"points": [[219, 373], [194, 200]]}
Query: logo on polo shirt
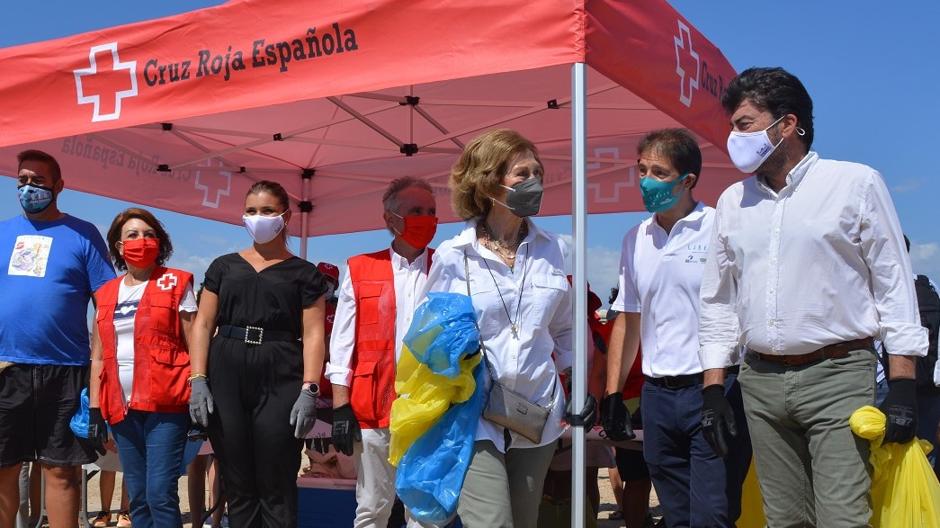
{"points": [[697, 253]]}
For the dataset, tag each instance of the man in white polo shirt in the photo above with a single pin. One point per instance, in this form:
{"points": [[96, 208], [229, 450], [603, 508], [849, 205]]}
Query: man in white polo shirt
{"points": [[660, 273]]}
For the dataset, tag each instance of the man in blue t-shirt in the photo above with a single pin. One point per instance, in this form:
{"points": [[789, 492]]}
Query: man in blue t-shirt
{"points": [[50, 265]]}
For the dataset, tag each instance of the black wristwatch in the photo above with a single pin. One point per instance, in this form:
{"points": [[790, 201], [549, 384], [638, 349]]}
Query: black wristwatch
{"points": [[312, 388]]}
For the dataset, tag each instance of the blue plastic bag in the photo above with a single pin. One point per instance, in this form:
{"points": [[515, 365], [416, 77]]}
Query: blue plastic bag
{"points": [[79, 422], [431, 473], [443, 331]]}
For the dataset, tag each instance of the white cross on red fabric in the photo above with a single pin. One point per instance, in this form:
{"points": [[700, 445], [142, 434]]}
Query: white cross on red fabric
{"points": [[167, 281]]}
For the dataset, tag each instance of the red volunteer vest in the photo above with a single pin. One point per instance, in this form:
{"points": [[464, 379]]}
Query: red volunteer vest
{"points": [[161, 357], [372, 389]]}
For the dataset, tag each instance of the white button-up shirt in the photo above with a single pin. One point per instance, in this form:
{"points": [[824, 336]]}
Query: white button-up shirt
{"points": [[410, 278], [660, 276], [821, 262], [522, 362]]}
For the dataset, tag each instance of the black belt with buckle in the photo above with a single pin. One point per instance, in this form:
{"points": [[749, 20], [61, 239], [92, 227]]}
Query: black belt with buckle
{"points": [[676, 382], [255, 335]]}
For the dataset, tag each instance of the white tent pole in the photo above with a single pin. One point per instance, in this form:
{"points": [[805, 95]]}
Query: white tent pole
{"points": [[579, 281], [306, 176]]}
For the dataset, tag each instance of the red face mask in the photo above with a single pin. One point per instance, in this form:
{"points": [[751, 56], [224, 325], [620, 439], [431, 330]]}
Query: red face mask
{"points": [[419, 230], [141, 252]]}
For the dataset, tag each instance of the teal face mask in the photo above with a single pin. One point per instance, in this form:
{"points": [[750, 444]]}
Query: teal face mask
{"points": [[658, 195]]}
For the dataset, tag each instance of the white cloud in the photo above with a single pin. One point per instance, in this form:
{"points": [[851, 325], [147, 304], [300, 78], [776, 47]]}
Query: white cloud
{"points": [[925, 259], [195, 264], [602, 264], [908, 185]]}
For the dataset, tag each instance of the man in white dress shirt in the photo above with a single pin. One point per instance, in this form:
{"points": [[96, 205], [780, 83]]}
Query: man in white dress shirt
{"points": [[806, 265], [660, 274], [377, 300]]}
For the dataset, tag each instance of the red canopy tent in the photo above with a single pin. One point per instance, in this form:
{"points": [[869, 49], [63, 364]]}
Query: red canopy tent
{"points": [[334, 99]]}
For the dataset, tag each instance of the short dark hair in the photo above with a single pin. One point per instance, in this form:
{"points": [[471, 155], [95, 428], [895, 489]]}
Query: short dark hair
{"points": [[38, 155], [114, 235], [273, 188], [776, 91], [678, 145]]}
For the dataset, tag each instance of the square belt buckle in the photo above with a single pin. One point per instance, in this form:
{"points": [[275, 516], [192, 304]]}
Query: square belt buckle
{"points": [[251, 331]]}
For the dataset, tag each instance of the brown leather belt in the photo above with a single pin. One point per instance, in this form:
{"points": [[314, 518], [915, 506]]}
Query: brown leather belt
{"points": [[833, 351]]}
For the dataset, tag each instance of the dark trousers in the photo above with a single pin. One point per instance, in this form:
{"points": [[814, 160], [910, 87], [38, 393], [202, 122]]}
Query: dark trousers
{"points": [[254, 389], [695, 487], [928, 418]]}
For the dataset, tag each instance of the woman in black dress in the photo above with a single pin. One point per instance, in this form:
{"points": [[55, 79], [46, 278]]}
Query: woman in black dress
{"points": [[264, 363]]}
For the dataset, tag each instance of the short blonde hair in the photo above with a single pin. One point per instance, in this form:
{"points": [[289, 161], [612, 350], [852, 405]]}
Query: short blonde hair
{"points": [[479, 172]]}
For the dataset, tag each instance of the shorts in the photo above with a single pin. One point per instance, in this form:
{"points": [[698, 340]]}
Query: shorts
{"points": [[36, 404], [630, 463]]}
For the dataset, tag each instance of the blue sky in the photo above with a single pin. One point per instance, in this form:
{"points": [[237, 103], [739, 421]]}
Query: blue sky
{"points": [[871, 69]]}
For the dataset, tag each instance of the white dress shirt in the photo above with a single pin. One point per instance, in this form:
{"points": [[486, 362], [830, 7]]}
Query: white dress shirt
{"points": [[409, 286], [821, 262], [523, 362], [660, 276]]}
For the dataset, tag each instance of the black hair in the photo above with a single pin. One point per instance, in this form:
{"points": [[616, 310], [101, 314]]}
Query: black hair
{"points": [[776, 91], [38, 155], [678, 145]]}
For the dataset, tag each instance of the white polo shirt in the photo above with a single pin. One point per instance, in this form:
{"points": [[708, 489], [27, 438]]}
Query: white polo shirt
{"points": [[660, 275]]}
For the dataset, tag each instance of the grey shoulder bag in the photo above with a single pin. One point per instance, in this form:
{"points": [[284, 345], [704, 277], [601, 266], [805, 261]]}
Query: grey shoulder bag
{"points": [[505, 407]]}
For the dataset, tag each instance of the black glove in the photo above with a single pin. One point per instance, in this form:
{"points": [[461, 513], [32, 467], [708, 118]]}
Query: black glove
{"points": [[345, 429], [588, 415], [718, 425], [900, 408], [616, 418], [97, 430]]}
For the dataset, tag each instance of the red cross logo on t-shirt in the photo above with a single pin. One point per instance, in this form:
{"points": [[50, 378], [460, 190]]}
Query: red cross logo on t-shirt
{"points": [[167, 281], [687, 64], [105, 82]]}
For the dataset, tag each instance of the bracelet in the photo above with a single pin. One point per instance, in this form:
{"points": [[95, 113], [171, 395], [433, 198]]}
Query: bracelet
{"points": [[197, 376]]}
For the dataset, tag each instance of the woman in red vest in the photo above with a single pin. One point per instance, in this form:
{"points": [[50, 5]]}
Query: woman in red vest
{"points": [[258, 346], [140, 364]]}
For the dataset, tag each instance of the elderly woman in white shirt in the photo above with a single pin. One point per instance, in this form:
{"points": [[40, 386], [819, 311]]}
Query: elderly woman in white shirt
{"points": [[523, 306]]}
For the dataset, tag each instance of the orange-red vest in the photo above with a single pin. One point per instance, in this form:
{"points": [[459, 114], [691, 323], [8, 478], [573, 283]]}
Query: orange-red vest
{"points": [[161, 357], [372, 389]]}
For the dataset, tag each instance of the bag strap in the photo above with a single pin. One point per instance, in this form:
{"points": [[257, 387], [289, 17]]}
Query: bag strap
{"points": [[489, 367]]}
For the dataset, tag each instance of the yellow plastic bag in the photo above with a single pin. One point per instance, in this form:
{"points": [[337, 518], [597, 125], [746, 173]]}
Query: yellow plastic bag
{"points": [[423, 398], [904, 489]]}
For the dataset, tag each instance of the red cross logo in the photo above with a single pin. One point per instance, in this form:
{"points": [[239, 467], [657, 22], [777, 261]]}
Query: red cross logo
{"points": [[105, 82], [214, 184], [167, 282], [605, 189], [687, 64]]}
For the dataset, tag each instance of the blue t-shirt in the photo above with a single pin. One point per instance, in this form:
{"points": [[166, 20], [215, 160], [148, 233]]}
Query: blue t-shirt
{"points": [[48, 272]]}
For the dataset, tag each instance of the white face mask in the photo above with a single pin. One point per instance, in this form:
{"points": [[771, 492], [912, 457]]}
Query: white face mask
{"points": [[749, 150], [263, 229]]}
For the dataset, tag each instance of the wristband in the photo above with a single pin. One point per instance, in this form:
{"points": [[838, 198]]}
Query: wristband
{"points": [[197, 376]]}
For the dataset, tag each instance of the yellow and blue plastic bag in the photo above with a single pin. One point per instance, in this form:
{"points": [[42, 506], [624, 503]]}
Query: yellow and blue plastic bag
{"points": [[439, 381], [904, 489]]}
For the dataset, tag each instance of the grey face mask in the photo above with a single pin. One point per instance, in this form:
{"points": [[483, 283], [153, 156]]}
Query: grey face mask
{"points": [[524, 198]]}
